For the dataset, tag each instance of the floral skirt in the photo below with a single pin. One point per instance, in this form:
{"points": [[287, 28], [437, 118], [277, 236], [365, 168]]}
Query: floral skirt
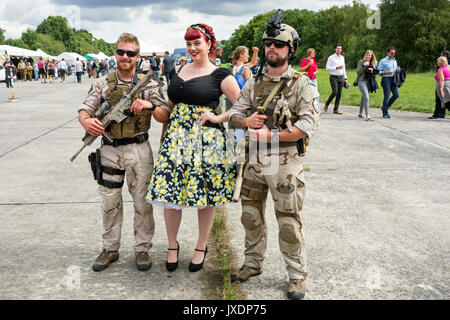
{"points": [[196, 164]]}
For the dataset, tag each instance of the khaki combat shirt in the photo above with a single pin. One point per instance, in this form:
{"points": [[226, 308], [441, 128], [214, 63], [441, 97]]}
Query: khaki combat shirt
{"points": [[304, 103]]}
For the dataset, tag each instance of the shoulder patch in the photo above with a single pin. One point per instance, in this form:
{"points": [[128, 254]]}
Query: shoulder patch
{"points": [[316, 104]]}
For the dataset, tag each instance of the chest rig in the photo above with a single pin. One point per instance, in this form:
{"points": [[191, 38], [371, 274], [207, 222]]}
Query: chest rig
{"points": [[270, 99], [132, 125]]}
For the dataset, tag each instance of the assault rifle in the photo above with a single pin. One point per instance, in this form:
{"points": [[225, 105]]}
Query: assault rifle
{"points": [[107, 113]]}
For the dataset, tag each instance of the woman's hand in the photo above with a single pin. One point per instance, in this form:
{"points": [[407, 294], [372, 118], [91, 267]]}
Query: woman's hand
{"points": [[207, 116], [442, 93]]}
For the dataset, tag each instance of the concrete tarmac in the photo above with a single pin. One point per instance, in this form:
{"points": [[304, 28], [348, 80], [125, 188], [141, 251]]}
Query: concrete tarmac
{"points": [[376, 215]]}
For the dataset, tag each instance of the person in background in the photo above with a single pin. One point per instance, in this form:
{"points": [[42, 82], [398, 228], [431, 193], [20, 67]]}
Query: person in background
{"points": [[36, 71], [310, 65], [365, 69], [388, 66], [51, 70], [439, 112], [62, 67], [145, 66], [22, 68], [29, 71], [78, 69], [42, 70], [182, 61], [241, 68], [167, 66], [155, 63], [10, 70], [442, 78], [338, 78]]}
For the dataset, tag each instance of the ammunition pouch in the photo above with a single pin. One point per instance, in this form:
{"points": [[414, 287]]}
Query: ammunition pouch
{"points": [[98, 169]]}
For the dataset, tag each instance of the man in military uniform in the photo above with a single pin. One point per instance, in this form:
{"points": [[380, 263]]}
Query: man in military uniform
{"points": [[284, 105], [128, 154]]}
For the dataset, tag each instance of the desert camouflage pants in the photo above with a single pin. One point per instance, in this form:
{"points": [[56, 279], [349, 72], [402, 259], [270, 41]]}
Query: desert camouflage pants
{"points": [[287, 187], [137, 161]]}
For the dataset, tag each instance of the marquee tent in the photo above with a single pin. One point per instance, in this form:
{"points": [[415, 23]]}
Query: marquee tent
{"points": [[19, 52]]}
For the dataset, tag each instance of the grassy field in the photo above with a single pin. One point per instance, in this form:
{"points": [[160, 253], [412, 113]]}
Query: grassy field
{"points": [[416, 94]]}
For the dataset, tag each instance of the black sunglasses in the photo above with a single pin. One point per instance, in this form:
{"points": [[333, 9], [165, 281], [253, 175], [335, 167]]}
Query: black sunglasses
{"points": [[276, 43], [129, 53]]}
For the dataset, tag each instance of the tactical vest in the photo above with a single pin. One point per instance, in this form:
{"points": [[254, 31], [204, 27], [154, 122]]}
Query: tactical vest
{"points": [[263, 90], [131, 126]]}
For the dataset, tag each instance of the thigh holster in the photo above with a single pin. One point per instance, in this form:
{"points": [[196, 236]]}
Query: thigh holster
{"points": [[98, 169]]}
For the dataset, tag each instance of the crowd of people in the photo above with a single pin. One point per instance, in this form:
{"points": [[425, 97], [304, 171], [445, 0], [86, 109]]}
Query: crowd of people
{"points": [[392, 78], [46, 70]]}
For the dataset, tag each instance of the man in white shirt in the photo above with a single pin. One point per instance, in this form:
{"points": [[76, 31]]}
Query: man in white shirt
{"points": [[145, 66], [338, 78], [79, 69], [62, 68]]}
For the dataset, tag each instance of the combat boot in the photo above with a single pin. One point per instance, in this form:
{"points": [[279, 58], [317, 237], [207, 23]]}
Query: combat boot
{"points": [[245, 273], [105, 259], [296, 290], [143, 261]]}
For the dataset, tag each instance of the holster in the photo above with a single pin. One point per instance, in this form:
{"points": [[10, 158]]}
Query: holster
{"points": [[301, 146], [98, 169]]}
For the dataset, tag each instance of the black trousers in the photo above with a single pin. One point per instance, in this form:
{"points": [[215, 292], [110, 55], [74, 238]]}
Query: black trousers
{"points": [[439, 112], [337, 82]]}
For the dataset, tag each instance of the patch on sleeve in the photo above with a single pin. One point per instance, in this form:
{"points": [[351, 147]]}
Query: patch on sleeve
{"points": [[316, 104]]}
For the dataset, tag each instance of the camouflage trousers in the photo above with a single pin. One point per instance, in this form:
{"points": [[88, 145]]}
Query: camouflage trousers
{"points": [[137, 161], [287, 187]]}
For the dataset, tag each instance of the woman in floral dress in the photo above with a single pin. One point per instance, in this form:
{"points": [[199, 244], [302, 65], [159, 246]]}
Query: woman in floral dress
{"points": [[195, 165]]}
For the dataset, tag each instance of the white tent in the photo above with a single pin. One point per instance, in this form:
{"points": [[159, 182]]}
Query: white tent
{"points": [[102, 56], [70, 57], [45, 55], [19, 52]]}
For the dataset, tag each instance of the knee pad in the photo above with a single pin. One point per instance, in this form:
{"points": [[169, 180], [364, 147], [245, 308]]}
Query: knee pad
{"points": [[251, 214]]}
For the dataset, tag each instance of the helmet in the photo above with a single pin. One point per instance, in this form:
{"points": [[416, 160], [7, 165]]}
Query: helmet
{"points": [[286, 34]]}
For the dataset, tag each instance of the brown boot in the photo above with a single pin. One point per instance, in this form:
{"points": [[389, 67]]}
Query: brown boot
{"points": [[245, 273], [143, 261], [105, 259], [296, 290], [325, 108]]}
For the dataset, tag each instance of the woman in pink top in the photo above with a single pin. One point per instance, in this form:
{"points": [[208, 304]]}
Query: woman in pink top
{"points": [[42, 71], [442, 78], [309, 65]]}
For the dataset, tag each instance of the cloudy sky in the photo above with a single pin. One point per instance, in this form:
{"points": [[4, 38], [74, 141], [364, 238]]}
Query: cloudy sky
{"points": [[159, 24]]}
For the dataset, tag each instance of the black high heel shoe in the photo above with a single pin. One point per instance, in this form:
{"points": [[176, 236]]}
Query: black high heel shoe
{"points": [[171, 266], [196, 267]]}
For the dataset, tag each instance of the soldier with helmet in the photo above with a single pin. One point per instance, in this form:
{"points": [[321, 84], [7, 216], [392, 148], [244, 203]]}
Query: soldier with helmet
{"points": [[279, 106], [125, 151]]}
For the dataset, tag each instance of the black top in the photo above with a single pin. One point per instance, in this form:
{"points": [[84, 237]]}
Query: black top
{"points": [[199, 91]]}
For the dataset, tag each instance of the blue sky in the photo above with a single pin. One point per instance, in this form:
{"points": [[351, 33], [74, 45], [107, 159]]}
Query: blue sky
{"points": [[159, 24]]}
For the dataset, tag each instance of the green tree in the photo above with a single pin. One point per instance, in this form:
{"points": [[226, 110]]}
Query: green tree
{"points": [[417, 29], [49, 44], [30, 37], [58, 27]]}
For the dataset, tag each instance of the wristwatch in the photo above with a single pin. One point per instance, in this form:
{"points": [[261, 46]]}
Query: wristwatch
{"points": [[154, 106]]}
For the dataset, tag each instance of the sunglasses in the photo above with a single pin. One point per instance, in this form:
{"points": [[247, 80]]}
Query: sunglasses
{"points": [[276, 43], [129, 53]]}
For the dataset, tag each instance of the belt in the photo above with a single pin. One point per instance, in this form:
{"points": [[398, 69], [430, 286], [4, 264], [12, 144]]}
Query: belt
{"points": [[124, 141]]}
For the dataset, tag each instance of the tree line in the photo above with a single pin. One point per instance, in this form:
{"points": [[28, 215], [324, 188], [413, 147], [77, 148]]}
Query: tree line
{"points": [[417, 29], [54, 36]]}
